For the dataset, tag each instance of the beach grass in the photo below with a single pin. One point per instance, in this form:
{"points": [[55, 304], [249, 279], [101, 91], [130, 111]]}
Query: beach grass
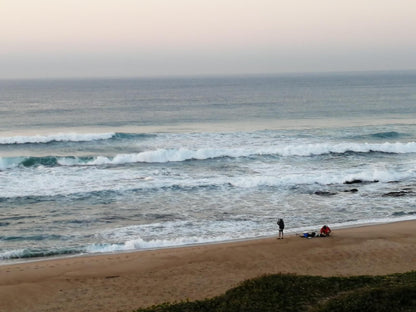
{"points": [[289, 292]]}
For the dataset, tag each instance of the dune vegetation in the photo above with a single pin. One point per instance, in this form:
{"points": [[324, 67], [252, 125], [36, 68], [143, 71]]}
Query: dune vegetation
{"points": [[289, 292]]}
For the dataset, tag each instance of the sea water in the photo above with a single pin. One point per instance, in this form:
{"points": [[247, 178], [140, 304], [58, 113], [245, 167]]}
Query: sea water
{"points": [[111, 165]]}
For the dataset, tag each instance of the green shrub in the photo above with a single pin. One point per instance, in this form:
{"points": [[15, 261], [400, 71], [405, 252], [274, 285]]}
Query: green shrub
{"points": [[393, 298], [288, 292]]}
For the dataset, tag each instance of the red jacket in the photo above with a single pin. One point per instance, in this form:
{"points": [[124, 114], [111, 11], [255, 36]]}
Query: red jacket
{"points": [[325, 230]]}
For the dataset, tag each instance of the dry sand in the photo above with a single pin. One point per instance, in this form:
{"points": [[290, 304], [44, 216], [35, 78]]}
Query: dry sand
{"points": [[123, 282]]}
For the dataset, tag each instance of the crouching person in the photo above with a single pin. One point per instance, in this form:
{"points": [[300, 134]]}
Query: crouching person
{"points": [[325, 231]]}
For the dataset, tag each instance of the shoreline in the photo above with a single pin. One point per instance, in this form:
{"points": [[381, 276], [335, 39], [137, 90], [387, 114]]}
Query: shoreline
{"points": [[127, 281], [288, 233]]}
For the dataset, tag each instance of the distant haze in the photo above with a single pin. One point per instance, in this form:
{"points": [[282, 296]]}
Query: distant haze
{"points": [[125, 38]]}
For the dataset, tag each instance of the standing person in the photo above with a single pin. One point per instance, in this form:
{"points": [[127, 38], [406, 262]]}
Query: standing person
{"points": [[281, 225]]}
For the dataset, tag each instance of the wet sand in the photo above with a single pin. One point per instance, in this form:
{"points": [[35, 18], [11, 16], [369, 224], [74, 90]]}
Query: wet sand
{"points": [[127, 281]]}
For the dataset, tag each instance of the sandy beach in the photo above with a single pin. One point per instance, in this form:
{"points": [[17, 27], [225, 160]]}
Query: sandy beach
{"points": [[123, 282]]}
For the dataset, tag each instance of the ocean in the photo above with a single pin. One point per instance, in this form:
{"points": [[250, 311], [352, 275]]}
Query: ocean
{"points": [[111, 165]]}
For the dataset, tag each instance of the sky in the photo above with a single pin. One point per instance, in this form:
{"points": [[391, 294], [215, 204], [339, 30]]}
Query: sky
{"points": [[140, 38]]}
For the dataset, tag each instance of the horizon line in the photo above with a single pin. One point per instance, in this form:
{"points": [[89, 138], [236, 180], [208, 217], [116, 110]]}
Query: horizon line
{"points": [[210, 75]]}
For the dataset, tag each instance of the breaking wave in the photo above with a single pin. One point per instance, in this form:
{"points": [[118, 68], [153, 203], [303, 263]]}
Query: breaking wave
{"points": [[183, 154], [37, 253], [60, 137], [70, 137]]}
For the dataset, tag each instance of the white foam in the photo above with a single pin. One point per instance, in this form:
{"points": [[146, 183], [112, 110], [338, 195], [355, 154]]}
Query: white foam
{"points": [[11, 254], [323, 177], [162, 155], [60, 137], [174, 233], [326, 148], [183, 154], [199, 238], [44, 181], [10, 162], [141, 244]]}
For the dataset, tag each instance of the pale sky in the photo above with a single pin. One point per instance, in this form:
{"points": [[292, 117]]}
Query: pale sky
{"points": [[116, 38]]}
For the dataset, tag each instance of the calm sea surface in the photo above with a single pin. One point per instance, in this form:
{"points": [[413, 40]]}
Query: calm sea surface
{"points": [[90, 166]]}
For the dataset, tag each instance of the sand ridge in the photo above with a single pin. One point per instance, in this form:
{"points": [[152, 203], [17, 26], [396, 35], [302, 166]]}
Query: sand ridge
{"points": [[126, 281]]}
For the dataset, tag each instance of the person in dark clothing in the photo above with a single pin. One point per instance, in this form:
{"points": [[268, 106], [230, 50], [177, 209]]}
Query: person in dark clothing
{"points": [[281, 225]]}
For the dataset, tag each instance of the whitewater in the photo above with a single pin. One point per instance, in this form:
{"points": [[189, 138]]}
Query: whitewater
{"points": [[121, 165]]}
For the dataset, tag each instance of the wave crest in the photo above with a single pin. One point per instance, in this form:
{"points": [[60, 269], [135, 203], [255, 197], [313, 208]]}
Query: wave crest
{"points": [[183, 154], [60, 137]]}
